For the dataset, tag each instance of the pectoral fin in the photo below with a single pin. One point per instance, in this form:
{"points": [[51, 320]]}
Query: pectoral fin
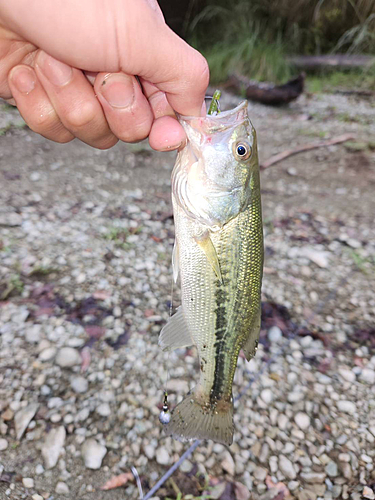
{"points": [[208, 248], [175, 334], [250, 346], [175, 261]]}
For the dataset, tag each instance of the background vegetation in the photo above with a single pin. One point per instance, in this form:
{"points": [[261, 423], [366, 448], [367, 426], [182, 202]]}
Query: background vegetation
{"points": [[253, 37]]}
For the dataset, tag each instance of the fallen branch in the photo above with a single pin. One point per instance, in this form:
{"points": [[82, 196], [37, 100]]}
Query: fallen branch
{"points": [[267, 93], [307, 147]]}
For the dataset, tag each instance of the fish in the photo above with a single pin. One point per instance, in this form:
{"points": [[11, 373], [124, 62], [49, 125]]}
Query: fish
{"points": [[218, 257]]}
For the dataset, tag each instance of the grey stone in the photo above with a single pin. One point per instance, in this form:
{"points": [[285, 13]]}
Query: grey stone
{"points": [[79, 384], [346, 406], [332, 469], [23, 418], [67, 357], [302, 420], [62, 488], [286, 467], [162, 456]]}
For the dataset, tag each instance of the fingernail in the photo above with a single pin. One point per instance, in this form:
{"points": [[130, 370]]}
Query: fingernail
{"points": [[23, 79], [118, 90], [172, 147], [56, 71]]}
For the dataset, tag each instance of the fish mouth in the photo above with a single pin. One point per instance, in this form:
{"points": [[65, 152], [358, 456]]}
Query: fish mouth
{"points": [[220, 121]]}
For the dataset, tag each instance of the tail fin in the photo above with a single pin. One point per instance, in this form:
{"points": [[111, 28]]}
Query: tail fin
{"points": [[194, 419]]}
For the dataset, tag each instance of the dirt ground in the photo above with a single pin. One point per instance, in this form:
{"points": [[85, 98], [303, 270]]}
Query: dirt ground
{"points": [[79, 224]]}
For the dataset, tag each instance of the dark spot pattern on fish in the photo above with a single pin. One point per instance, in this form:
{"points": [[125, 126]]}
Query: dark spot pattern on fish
{"points": [[221, 324]]}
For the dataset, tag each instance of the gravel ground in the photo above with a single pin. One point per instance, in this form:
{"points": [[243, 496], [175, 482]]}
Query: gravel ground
{"points": [[85, 286]]}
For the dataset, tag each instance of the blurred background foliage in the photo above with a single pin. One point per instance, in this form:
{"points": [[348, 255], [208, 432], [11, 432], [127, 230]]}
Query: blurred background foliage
{"points": [[253, 37]]}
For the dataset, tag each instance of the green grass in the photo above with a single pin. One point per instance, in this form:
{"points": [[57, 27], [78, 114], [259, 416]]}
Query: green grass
{"points": [[348, 80], [120, 235], [13, 286]]}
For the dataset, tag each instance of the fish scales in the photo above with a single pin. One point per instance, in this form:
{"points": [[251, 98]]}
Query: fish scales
{"points": [[219, 255]]}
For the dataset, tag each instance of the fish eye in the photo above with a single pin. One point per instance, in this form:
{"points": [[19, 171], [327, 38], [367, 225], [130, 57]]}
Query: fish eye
{"points": [[242, 150]]}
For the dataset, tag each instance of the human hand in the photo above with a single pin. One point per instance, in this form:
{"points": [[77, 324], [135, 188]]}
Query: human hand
{"points": [[51, 51]]}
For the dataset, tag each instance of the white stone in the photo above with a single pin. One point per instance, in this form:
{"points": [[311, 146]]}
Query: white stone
{"points": [[368, 493], [162, 456], [37, 497], [79, 384], [266, 396], [39, 469], [62, 488], [347, 375], [23, 418], [81, 278], [28, 482], [176, 385], [32, 335], [93, 453], [47, 354], [320, 258], [293, 485], [346, 406], [286, 467], [3, 444], [104, 410], [275, 334], [367, 376], [282, 421], [52, 446], [67, 357], [149, 451], [228, 463], [302, 420]]}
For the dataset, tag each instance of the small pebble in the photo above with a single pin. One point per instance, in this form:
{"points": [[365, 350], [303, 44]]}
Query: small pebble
{"points": [[62, 488], [28, 482]]}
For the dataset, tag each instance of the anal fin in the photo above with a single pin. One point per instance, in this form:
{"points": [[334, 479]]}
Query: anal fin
{"points": [[250, 346], [175, 334], [208, 248]]}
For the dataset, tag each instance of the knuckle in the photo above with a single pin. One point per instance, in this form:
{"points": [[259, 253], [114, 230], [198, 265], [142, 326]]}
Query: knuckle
{"points": [[82, 116], [41, 122]]}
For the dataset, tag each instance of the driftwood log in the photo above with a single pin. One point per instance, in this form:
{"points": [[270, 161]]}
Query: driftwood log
{"points": [[338, 61], [267, 93]]}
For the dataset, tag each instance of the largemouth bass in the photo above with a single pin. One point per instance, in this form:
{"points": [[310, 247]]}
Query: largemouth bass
{"points": [[218, 255]]}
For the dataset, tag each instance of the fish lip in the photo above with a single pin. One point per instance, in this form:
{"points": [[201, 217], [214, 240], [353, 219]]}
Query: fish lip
{"points": [[218, 117]]}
